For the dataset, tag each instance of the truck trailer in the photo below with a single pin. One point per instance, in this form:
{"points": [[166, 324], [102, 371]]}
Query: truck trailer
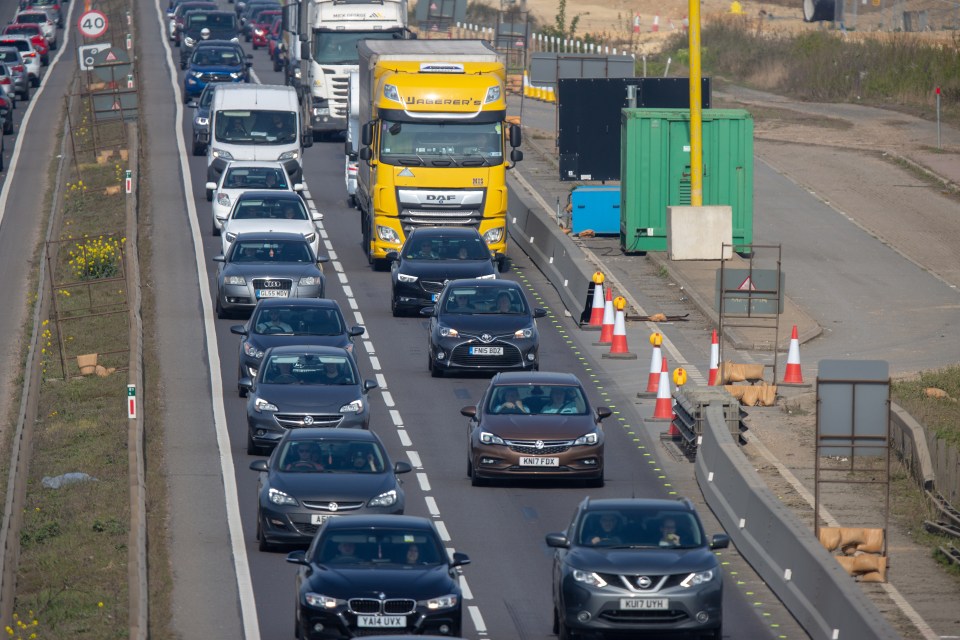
{"points": [[433, 141]]}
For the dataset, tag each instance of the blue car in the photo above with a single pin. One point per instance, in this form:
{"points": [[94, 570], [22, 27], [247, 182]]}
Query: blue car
{"points": [[214, 62]]}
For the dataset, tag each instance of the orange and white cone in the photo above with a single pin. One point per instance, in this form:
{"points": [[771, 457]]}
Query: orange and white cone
{"points": [[653, 380], [618, 346], [793, 375], [596, 310], [606, 331], [663, 410], [714, 359], [656, 23]]}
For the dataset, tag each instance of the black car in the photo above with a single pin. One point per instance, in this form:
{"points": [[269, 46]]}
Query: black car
{"points": [[318, 474], [201, 119], [202, 24], [638, 567], [370, 574], [284, 321], [6, 114], [482, 325], [430, 258], [267, 265], [304, 386]]}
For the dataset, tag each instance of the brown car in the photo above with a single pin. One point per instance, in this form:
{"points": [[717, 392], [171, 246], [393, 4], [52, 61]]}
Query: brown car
{"points": [[535, 424]]}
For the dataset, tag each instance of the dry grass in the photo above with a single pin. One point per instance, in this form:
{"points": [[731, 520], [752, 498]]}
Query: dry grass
{"points": [[940, 415]]}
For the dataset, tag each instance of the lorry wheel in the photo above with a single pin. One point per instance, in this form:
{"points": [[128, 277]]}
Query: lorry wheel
{"points": [[379, 264]]}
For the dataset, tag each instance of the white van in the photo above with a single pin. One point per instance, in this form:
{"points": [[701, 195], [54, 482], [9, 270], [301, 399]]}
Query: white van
{"points": [[255, 122]]}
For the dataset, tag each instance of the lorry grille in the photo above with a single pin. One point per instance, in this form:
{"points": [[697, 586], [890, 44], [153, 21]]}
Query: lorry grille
{"points": [[338, 97], [419, 217]]}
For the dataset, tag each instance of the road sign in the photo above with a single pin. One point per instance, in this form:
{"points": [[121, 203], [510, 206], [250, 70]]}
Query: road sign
{"points": [[92, 24], [86, 54], [131, 401]]}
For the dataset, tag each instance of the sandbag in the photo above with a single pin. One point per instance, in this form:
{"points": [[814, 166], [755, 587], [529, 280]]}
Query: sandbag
{"points": [[850, 540], [732, 372], [758, 395]]}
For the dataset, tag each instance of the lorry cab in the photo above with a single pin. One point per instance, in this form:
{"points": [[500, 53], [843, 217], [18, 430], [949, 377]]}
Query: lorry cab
{"points": [[256, 122]]}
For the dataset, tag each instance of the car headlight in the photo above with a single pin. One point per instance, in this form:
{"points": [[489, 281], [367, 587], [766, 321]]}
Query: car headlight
{"points": [[309, 281], [297, 73], [260, 405], [234, 39], [187, 40], [310, 237], [387, 234], [223, 199], [258, 32], [493, 235], [699, 577], [252, 350], [230, 236], [489, 276], [222, 154], [288, 155], [279, 497], [488, 438], [319, 601], [200, 121], [493, 94], [449, 332], [403, 277], [588, 438], [354, 407], [236, 75], [443, 602], [235, 280], [386, 499], [197, 74], [588, 577], [523, 333]]}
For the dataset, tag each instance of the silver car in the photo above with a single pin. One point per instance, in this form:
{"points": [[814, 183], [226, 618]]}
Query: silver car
{"points": [[245, 175], [19, 79], [29, 55]]}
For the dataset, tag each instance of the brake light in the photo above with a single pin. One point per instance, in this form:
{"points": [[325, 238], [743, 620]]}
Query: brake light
{"points": [[17, 68], [5, 80]]}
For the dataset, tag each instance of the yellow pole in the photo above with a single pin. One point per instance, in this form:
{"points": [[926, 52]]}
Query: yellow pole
{"points": [[696, 120]]}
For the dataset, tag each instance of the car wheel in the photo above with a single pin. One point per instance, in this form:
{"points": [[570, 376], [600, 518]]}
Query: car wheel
{"points": [[715, 634], [564, 632], [186, 99], [435, 371], [209, 195], [470, 473], [504, 265], [262, 543], [379, 264], [393, 307], [352, 201], [214, 229], [221, 312], [597, 482], [277, 66], [241, 391], [26, 93], [252, 448], [476, 481], [35, 82], [556, 621], [8, 127], [199, 149]]}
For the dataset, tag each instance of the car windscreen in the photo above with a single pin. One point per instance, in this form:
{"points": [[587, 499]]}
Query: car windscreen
{"points": [[639, 527], [331, 456], [256, 127], [501, 300], [298, 320], [537, 399], [254, 208], [212, 56], [308, 369], [384, 547], [245, 252], [30, 18], [425, 247], [217, 21], [255, 178]]}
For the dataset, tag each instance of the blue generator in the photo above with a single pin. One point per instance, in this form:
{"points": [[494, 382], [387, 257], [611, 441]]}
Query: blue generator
{"points": [[596, 208]]}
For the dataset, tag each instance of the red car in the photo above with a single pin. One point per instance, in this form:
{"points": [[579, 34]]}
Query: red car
{"points": [[36, 37], [273, 38], [261, 28]]}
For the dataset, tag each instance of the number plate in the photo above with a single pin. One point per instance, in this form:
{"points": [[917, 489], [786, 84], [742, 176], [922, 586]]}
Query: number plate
{"points": [[539, 462], [644, 604], [272, 293], [434, 296], [319, 518], [486, 351], [382, 622]]}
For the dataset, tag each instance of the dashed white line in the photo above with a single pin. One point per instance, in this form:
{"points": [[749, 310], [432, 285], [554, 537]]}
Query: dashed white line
{"points": [[375, 363], [347, 291], [358, 317], [465, 588], [343, 279], [477, 618], [352, 303], [404, 438], [388, 399], [330, 252], [381, 381], [424, 483], [431, 505], [369, 346], [442, 530], [415, 459], [395, 416], [323, 233], [328, 245], [337, 266]]}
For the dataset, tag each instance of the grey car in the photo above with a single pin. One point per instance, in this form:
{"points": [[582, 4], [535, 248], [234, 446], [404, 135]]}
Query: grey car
{"points": [[267, 265], [17, 70], [317, 474], [637, 567], [304, 386]]}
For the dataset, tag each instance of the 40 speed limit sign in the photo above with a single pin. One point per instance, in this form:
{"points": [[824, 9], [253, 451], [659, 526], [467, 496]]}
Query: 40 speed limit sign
{"points": [[92, 24]]}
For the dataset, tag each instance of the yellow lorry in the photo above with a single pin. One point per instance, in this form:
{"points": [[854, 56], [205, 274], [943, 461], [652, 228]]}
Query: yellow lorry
{"points": [[433, 141]]}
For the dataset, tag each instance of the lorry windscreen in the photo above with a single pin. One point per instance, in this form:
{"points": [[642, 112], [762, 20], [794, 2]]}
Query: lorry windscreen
{"points": [[415, 143], [340, 47], [256, 127]]}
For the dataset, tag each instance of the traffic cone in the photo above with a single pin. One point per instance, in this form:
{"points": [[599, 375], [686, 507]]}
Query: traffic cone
{"points": [[656, 23], [606, 331], [663, 410], [618, 346], [653, 380], [596, 310], [714, 359], [526, 84], [793, 375]]}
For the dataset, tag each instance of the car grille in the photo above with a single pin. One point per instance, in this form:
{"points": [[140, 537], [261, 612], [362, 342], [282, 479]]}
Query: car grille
{"points": [[670, 616], [324, 507], [629, 581], [420, 217], [431, 286], [275, 283], [297, 420], [529, 447], [216, 77], [397, 606], [511, 356]]}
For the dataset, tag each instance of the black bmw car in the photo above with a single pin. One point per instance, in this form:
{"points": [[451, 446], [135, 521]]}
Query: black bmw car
{"points": [[371, 575], [482, 325], [282, 321], [430, 258], [318, 474]]}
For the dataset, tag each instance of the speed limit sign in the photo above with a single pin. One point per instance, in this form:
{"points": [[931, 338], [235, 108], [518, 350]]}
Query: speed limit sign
{"points": [[92, 24]]}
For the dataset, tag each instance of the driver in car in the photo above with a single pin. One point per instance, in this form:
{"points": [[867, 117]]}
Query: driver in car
{"points": [[270, 322]]}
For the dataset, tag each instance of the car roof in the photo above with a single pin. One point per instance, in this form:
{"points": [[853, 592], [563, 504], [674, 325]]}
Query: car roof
{"points": [[446, 232], [316, 303], [378, 521], [328, 434], [275, 194], [482, 282], [267, 236], [249, 163], [309, 349], [535, 377], [611, 504]]}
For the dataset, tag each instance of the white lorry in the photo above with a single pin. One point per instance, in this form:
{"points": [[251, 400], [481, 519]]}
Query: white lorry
{"points": [[352, 146], [320, 40]]}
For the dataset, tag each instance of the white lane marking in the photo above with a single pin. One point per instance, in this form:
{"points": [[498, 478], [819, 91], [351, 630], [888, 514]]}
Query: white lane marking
{"points": [[442, 530], [328, 245], [347, 291], [404, 438], [330, 252], [388, 399], [465, 588], [323, 234], [477, 618], [375, 363], [248, 603], [431, 505], [359, 318], [414, 459], [337, 266], [369, 347], [381, 381], [353, 303], [424, 483], [343, 280], [395, 416]]}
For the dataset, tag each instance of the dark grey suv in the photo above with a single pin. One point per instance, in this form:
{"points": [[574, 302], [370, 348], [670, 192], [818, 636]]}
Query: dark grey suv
{"points": [[636, 567]]}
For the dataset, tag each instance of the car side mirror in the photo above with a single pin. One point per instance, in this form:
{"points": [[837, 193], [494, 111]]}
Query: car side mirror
{"points": [[219, 258], [428, 311], [245, 383], [211, 185], [249, 63], [402, 467], [316, 216], [539, 313], [239, 329], [369, 385], [557, 541], [719, 541], [459, 559], [259, 465], [322, 259], [192, 104], [604, 412], [469, 411], [297, 557], [392, 256], [306, 140], [298, 187], [356, 330]]}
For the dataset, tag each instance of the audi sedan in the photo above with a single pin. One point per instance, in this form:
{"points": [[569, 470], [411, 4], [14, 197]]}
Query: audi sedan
{"points": [[431, 257], [317, 474], [304, 386], [283, 321], [482, 325], [637, 568], [267, 265], [535, 425], [375, 575]]}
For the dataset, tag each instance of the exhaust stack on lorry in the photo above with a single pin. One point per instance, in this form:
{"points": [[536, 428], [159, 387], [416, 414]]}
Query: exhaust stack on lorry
{"points": [[433, 140]]}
